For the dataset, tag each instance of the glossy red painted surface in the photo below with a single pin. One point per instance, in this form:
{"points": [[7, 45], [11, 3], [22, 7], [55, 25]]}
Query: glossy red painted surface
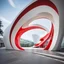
{"points": [[21, 32], [48, 36], [33, 5]]}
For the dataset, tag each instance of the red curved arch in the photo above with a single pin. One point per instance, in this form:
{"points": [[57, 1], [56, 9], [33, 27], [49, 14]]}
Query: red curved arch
{"points": [[45, 38], [21, 32], [33, 5], [50, 37]]}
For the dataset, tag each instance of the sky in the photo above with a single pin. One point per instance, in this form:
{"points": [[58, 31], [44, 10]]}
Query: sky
{"points": [[10, 9]]}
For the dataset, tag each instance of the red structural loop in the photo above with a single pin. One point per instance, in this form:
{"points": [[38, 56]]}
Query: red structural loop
{"points": [[47, 39], [21, 31]]}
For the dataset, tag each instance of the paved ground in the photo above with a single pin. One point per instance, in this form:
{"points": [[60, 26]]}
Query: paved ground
{"points": [[23, 57]]}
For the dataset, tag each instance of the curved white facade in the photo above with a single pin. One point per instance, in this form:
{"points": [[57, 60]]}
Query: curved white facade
{"points": [[36, 10]]}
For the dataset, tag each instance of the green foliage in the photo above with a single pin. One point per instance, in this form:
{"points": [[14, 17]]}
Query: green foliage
{"points": [[62, 44], [1, 32], [26, 43]]}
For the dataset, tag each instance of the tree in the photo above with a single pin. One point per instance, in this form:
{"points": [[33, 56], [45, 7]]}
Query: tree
{"points": [[1, 32]]}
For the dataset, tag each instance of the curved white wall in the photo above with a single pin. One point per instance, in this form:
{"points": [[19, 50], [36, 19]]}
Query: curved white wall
{"points": [[43, 11]]}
